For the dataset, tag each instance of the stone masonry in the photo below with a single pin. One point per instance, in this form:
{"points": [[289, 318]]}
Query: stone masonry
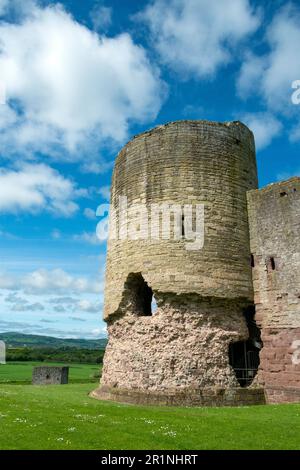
{"points": [[203, 341], [45, 375], [274, 215]]}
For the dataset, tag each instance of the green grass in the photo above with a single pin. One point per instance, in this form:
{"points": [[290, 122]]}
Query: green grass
{"points": [[21, 372], [64, 417]]}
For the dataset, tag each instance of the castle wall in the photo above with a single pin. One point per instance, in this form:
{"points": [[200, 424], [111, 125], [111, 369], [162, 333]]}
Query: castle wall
{"points": [[274, 217], [200, 294]]}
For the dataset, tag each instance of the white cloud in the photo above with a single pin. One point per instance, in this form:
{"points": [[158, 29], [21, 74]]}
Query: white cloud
{"points": [[63, 300], [101, 17], [68, 88], [264, 126], [89, 213], [96, 167], [86, 237], [99, 331], [14, 298], [43, 281], [196, 37], [88, 306], [59, 309], [63, 304], [272, 75], [250, 75], [36, 187], [26, 307], [105, 192]]}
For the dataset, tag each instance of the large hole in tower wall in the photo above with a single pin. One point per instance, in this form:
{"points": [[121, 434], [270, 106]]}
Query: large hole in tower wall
{"points": [[244, 355], [141, 295]]}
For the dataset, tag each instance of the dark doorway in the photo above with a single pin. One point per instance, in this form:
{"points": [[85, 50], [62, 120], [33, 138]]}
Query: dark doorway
{"points": [[244, 355], [244, 358]]}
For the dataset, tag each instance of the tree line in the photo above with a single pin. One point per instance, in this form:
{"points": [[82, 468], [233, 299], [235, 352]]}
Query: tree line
{"points": [[65, 354]]}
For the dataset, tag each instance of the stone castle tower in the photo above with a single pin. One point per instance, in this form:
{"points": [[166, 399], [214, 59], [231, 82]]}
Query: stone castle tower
{"points": [[180, 310]]}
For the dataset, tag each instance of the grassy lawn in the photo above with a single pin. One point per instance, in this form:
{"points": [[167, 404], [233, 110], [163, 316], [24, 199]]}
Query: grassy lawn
{"points": [[64, 417], [21, 372]]}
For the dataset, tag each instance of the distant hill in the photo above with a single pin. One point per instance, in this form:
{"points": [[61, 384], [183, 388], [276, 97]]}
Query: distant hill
{"points": [[20, 340]]}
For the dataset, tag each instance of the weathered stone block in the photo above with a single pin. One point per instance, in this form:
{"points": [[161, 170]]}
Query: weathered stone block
{"points": [[50, 375]]}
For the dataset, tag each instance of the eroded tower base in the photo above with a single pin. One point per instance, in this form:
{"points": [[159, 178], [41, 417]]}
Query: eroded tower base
{"points": [[178, 355]]}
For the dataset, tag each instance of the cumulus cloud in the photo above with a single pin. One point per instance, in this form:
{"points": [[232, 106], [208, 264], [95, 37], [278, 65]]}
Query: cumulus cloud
{"points": [[26, 307], [58, 101], [88, 306], [86, 237], [250, 75], [96, 167], [196, 37], [44, 281], [96, 332], [270, 76], [36, 187], [63, 300], [89, 213], [105, 192], [14, 298], [21, 304], [56, 281], [62, 304], [264, 126], [59, 309]]}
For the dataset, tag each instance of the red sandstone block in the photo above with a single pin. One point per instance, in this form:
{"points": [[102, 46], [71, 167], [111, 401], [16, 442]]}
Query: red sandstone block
{"points": [[269, 355], [281, 351], [290, 377], [292, 368]]}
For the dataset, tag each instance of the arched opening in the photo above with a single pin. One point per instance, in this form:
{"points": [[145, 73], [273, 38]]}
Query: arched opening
{"points": [[244, 355], [141, 295]]}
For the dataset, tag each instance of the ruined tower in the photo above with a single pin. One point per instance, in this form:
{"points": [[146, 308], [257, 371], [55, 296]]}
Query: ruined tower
{"points": [[274, 216], [184, 350]]}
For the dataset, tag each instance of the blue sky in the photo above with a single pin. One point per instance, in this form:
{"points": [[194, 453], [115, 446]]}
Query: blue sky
{"points": [[80, 78]]}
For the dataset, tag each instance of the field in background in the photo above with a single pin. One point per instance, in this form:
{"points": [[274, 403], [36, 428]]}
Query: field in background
{"points": [[64, 417], [21, 372]]}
